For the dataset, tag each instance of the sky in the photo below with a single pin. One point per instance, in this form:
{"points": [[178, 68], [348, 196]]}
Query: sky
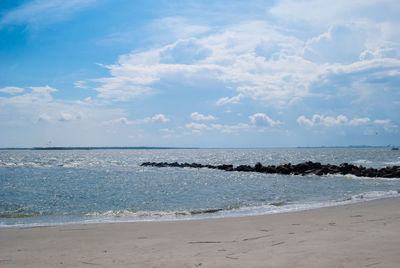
{"points": [[238, 74]]}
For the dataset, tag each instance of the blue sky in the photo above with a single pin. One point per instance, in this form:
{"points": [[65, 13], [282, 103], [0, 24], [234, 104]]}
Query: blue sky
{"points": [[199, 73]]}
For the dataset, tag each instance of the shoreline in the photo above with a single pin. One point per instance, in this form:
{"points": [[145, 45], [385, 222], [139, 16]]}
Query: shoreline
{"points": [[363, 234], [212, 213]]}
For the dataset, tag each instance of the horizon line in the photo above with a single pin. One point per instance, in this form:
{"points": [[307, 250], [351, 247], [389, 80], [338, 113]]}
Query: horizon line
{"points": [[172, 147]]}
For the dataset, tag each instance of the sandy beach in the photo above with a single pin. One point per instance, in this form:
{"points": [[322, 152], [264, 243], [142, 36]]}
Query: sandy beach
{"points": [[358, 235]]}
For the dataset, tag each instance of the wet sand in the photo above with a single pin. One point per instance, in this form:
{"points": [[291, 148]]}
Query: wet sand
{"points": [[358, 235]]}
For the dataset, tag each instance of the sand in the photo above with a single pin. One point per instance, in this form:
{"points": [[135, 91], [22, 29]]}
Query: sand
{"points": [[358, 235]]}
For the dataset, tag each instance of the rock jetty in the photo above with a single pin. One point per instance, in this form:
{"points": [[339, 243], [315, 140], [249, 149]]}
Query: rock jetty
{"points": [[305, 168]]}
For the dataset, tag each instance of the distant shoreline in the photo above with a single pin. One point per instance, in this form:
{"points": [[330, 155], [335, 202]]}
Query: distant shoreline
{"points": [[60, 148]]}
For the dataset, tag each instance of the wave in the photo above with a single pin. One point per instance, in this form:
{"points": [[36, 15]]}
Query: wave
{"points": [[153, 214], [128, 215], [362, 161], [374, 195], [62, 164], [393, 163], [351, 176]]}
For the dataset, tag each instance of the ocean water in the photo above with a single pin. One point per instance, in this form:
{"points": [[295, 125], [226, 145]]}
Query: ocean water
{"points": [[94, 186]]}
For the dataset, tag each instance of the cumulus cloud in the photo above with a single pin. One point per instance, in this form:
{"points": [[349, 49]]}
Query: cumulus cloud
{"points": [[347, 41], [263, 120], [37, 104], [230, 128], [125, 121], [359, 121], [66, 117], [198, 128], [11, 90], [321, 120], [382, 122], [328, 12], [36, 95], [159, 118], [121, 120], [262, 62], [198, 117], [330, 121], [239, 55]]}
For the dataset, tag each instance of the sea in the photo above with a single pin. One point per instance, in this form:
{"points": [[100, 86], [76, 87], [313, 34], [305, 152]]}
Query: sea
{"points": [[58, 187]]}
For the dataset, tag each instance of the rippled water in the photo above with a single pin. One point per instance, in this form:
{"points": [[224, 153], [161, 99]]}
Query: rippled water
{"points": [[58, 187]]}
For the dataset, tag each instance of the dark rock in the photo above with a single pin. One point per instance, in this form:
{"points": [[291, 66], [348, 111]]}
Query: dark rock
{"points": [[299, 169], [283, 170], [244, 168], [271, 169], [194, 165], [259, 167], [225, 167]]}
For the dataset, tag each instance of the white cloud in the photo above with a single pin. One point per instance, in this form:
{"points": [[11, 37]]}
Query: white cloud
{"points": [[40, 12], [121, 89], [239, 55], [66, 117], [382, 122], [121, 120], [330, 121], [159, 118], [303, 121], [36, 104], [359, 121], [227, 100], [263, 120], [173, 28], [37, 95], [347, 41], [322, 12], [262, 62], [80, 84], [230, 128], [198, 117], [11, 90], [44, 118], [197, 128]]}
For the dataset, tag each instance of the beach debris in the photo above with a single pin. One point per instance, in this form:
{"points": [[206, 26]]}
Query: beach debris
{"points": [[278, 204], [304, 168]]}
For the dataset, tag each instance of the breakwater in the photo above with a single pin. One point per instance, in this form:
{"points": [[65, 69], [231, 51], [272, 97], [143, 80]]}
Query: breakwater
{"points": [[304, 168]]}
